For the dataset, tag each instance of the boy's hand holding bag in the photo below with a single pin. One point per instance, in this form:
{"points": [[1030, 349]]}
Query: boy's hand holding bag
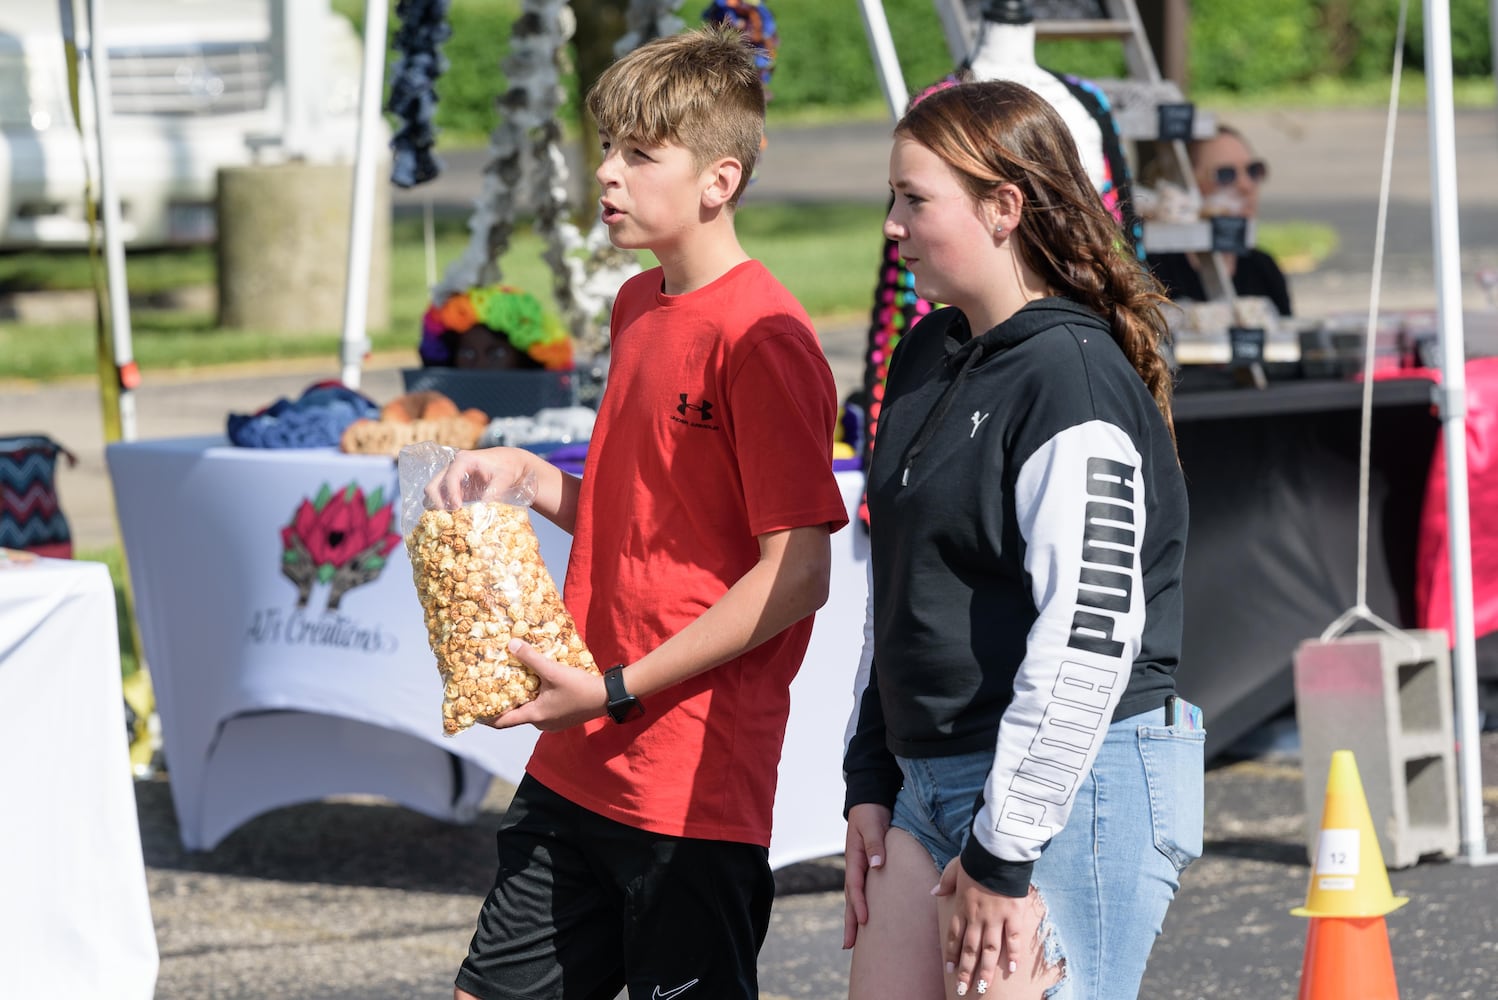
{"points": [[482, 582]]}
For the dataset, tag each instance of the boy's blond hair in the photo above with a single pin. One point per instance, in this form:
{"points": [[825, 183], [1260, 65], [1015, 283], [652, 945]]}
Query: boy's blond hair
{"points": [[699, 90]]}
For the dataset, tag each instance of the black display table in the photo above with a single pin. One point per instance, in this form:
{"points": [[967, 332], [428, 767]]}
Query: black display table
{"points": [[1271, 560]]}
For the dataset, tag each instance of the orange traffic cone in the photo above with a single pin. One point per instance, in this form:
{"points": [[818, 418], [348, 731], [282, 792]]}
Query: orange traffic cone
{"points": [[1347, 958], [1347, 953]]}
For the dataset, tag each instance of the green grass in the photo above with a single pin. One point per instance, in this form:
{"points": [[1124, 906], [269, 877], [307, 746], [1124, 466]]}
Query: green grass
{"points": [[1298, 247], [151, 271], [826, 253], [166, 340]]}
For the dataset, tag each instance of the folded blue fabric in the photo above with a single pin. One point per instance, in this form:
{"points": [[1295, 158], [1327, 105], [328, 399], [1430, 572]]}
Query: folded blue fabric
{"points": [[317, 419]]}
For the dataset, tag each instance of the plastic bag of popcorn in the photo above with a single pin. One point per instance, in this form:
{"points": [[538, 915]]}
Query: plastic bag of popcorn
{"points": [[482, 582]]}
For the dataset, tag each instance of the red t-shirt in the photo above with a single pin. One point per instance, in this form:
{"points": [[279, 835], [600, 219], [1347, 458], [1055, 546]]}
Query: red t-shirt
{"points": [[715, 427]]}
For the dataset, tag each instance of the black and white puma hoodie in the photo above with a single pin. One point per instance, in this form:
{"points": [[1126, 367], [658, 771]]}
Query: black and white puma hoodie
{"points": [[1029, 529]]}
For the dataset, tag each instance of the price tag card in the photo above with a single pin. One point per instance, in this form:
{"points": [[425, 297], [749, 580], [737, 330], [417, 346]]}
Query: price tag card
{"points": [[1337, 853], [1245, 344], [1177, 121], [1229, 233]]}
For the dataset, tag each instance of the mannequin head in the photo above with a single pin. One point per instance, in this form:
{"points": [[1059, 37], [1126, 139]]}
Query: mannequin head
{"points": [[1005, 47], [1226, 166], [489, 350]]}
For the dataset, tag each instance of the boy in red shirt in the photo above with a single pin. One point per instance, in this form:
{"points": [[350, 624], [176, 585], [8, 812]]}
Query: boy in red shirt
{"points": [[635, 852]]}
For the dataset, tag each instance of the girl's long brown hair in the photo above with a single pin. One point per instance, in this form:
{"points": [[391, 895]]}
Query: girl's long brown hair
{"points": [[1000, 132]]}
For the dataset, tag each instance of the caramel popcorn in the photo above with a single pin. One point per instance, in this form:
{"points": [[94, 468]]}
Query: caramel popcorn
{"points": [[481, 580]]}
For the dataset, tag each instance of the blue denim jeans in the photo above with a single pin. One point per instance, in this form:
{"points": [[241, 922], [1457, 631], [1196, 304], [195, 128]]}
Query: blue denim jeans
{"points": [[1105, 891]]}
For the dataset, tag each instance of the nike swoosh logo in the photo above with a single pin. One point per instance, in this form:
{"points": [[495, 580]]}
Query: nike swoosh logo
{"points": [[670, 994]]}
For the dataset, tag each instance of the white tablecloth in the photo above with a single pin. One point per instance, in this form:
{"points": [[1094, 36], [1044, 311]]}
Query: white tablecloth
{"points": [[74, 911], [265, 702]]}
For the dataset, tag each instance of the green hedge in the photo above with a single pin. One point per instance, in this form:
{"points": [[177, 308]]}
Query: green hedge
{"points": [[824, 59], [1287, 42], [1471, 39], [1230, 50]]}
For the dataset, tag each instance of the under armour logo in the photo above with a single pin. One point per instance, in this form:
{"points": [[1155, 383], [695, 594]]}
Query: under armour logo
{"points": [[661, 994], [977, 422], [704, 409]]}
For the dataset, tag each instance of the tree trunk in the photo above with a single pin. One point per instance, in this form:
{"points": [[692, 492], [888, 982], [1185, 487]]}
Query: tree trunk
{"points": [[1166, 23], [600, 23], [283, 232]]}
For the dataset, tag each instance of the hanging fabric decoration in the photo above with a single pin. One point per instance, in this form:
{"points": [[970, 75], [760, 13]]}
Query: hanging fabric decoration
{"points": [[533, 69], [413, 99], [754, 19], [527, 168], [588, 269], [645, 21], [1117, 184]]}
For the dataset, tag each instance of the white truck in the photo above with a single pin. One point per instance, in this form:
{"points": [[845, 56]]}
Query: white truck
{"points": [[193, 87]]}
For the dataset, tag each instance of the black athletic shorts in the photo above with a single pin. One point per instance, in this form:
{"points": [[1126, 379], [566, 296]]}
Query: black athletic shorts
{"points": [[583, 906]]}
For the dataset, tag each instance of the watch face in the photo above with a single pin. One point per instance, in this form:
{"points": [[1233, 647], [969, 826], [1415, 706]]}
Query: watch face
{"points": [[629, 708]]}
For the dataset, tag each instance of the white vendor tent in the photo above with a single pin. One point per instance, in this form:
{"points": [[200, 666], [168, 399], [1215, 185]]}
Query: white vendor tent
{"points": [[95, 115]]}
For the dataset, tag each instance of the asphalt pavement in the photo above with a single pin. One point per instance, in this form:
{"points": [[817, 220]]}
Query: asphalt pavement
{"points": [[356, 899], [359, 898]]}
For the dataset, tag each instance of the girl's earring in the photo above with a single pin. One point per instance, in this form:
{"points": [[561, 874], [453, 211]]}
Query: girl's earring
{"points": [[998, 229]]}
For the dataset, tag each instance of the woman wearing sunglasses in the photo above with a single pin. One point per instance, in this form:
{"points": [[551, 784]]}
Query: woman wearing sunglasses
{"points": [[1229, 175]]}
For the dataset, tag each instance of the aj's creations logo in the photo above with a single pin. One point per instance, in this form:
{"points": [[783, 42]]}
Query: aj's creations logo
{"points": [[341, 539]]}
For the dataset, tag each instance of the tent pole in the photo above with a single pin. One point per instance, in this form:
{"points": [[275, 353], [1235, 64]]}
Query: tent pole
{"points": [[109, 206], [886, 62], [1452, 397], [355, 342]]}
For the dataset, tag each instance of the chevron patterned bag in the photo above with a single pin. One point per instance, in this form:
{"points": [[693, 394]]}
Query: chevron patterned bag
{"points": [[30, 516]]}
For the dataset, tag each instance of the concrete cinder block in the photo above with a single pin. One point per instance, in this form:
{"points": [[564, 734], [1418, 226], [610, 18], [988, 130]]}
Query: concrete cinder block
{"points": [[1386, 698]]}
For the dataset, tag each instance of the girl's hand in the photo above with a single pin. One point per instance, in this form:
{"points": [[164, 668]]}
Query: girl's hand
{"points": [[989, 936], [867, 824]]}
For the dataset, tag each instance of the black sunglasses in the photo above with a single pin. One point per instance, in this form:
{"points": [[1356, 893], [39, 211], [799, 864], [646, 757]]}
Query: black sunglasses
{"points": [[1228, 174]]}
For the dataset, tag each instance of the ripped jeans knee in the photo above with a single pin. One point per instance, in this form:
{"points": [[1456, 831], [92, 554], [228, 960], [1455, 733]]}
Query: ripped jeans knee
{"points": [[1107, 879], [1048, 968]]}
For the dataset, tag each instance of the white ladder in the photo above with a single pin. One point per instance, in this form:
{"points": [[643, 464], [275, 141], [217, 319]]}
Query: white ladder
{"points": [[1135, 101]]}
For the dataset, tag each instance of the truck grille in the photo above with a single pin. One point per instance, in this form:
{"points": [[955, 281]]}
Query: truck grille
{"points": [[209, 79]]}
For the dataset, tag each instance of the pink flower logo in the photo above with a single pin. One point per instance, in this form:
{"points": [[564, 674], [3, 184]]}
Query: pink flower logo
{"points": [[338, 538]]}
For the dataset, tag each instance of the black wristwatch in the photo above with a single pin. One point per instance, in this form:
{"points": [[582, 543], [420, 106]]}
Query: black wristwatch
{"points": [[622, 705]]}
